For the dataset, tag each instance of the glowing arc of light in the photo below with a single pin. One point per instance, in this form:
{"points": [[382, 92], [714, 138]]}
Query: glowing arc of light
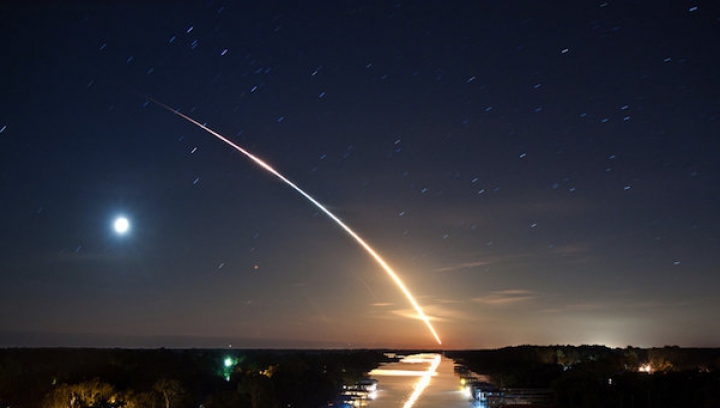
{"points": [[327, 212]]}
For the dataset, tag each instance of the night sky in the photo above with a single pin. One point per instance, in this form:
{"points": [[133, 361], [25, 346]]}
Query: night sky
{"points": [[536, 173]]}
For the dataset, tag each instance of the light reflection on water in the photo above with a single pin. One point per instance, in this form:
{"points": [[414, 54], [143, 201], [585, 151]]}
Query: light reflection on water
{"points": [[424, 376]]}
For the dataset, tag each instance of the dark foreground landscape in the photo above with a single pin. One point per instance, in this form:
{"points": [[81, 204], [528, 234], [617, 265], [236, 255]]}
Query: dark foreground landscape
{"points": [[585, 376]]}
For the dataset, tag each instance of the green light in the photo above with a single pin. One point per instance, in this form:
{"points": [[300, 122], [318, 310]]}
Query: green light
{"points": [[229, 364]]}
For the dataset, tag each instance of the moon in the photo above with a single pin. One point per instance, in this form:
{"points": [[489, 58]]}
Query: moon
{"points": [[121, 225]]}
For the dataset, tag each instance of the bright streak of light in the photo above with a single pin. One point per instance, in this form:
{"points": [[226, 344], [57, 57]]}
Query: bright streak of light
{"points": [[380, 372], [413, 359], [423, 382], [332, 216], [419, 358]]}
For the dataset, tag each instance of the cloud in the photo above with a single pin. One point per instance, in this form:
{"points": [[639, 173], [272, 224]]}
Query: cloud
{"points": [[576, 253], [506, 297], [406, 313], [487, 260], [434, 312], [464, 265], [578, 307], [617, 305], [459, 313]]}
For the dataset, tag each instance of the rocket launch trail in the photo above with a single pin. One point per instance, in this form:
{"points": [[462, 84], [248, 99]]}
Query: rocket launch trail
{"points": [[322, 208]]}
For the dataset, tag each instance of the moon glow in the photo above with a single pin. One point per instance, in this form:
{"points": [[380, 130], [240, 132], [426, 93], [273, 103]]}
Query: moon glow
{"points": [[121, 225]]}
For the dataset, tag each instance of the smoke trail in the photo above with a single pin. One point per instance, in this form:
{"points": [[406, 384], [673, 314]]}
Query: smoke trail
{"points": [[332, 216]]}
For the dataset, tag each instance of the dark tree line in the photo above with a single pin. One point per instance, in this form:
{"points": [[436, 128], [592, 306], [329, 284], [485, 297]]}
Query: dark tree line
{"points": [[122, 378], [597, 376]]}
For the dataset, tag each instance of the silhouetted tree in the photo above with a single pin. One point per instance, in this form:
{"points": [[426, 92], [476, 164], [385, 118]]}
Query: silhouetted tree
{"points": [[261, 390], [169, 390], [133, 399]]}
